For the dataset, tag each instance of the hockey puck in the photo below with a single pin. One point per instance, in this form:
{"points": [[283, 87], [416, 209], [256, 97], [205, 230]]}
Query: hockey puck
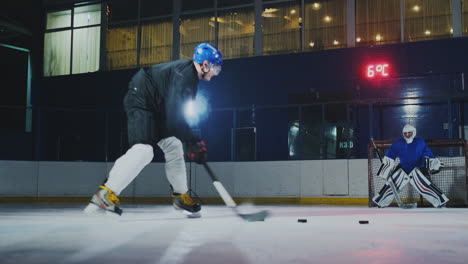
{"points": [[363, 221], [302, 220]]}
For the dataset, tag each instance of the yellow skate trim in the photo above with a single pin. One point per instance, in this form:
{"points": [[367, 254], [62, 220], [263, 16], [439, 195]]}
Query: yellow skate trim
{"points": [[186, 199], [111, 196]]}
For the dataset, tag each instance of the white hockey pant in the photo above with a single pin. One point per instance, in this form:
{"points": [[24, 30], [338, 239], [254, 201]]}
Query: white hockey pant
{"points": [[428, 190], [176, 171], [128, 166]]}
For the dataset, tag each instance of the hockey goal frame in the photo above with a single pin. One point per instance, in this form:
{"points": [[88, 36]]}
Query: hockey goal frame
{"points": [[452, 179]]}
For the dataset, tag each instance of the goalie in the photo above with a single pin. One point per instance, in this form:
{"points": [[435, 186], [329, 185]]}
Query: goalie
{"points": [[416, 162]]}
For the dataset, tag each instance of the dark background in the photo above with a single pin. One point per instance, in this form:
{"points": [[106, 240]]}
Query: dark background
{"points": [[79, 117]]}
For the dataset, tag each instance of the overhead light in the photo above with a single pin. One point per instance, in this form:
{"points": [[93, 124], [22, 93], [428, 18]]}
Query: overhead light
{"points": [[336, 42], [219, 19], [416, 8], [293, 12], [316, 6], [427, 32], [311, 44], [270, 10], [378, 37], [358, 39], [451, 30], [327, 18]]}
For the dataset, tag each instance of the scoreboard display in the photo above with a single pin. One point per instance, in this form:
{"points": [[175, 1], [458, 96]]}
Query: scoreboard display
{"points": [[381, 70]]}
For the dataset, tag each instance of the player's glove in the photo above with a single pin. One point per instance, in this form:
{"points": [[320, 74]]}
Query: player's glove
{"points": [[196, 151]]}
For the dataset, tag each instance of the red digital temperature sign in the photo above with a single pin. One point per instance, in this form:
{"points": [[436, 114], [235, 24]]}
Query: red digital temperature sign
{"points": [[377, 70]]}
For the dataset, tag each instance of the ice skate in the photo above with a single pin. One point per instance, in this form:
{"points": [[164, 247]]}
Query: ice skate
{"points": [[185, 204], [103, 201]]}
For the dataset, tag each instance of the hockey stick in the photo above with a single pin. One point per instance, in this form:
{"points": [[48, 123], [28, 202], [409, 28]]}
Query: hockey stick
{"points": [[259, 216], [392, 183]]}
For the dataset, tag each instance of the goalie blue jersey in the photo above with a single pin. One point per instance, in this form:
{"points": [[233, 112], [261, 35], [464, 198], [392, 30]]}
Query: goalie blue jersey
{"points": [[411, 155]]}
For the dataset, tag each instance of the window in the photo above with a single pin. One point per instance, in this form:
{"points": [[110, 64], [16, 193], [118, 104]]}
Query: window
{"points": [[72, 48], [465, 17], [194, 30], [86, 49], [325, 24], [428, 19], [281, 28], [60, 19], [87, 16], [121, 47], [377, 22], [236, 33], [57, 47], [156, 42]]}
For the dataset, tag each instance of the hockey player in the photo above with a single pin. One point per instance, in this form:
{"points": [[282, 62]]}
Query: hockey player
{"points": [[416, 161], [154, 107]]}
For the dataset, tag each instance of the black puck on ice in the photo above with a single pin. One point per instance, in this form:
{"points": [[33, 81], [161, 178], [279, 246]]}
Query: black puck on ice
{"points": [[363, 221], [302, 220]]}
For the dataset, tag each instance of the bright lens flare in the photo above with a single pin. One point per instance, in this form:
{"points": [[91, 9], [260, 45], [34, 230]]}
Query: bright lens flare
{"points": [[196, 110]]}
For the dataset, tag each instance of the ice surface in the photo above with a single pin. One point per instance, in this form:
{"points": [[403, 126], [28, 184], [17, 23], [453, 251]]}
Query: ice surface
{"points": [[42, 233]]}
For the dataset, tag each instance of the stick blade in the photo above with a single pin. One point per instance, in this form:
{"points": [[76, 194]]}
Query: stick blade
{"points": [[254, 217]]}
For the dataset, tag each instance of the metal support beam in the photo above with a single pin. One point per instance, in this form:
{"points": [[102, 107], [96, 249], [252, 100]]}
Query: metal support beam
{"points": [[351, 23], [258, 38], [177, 7], [457, 18], [402, 21]]}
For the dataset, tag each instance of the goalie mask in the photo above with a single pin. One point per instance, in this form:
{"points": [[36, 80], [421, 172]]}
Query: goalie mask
{"points": [[409, 132]]}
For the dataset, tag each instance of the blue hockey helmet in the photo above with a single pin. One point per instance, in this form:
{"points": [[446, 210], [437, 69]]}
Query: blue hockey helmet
{"points": [[206, 51]]}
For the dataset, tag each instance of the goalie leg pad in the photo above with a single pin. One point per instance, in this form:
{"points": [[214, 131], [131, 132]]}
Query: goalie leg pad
{"points": [[427, 189], [385, 196], [386, 167]]}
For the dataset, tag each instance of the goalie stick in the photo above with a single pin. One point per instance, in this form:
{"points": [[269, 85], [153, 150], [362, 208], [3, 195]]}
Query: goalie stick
{"points": [[259, 216], [391, 182]]}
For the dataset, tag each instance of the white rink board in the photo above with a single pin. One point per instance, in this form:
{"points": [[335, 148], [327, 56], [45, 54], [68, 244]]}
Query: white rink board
{"points": [[69, 178], [311, 178], [18, 178], [335, 180]]}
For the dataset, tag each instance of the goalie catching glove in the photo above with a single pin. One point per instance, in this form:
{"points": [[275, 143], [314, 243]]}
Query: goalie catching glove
{"points": [[434, 165], [196, 151]]}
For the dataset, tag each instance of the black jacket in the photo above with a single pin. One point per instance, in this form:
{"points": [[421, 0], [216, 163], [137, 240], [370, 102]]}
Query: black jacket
{"points": [[164, 89]]}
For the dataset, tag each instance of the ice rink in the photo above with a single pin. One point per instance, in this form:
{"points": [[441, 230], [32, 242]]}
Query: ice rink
{"points": [[41, 233]]}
